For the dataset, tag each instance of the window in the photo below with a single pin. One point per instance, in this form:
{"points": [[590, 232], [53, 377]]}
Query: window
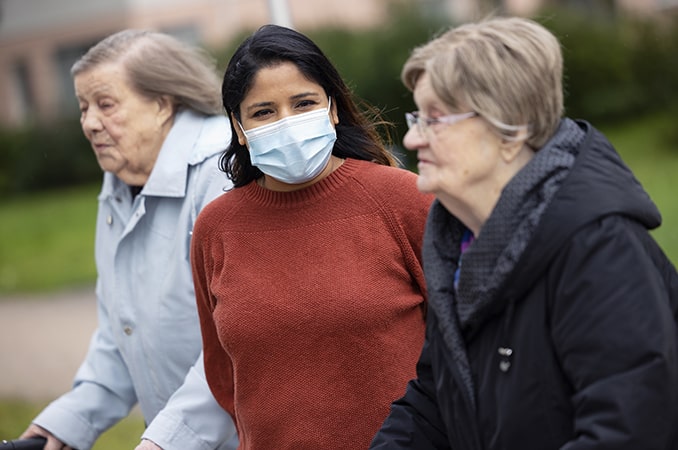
{"points": [[65, 58], [25, 99]]}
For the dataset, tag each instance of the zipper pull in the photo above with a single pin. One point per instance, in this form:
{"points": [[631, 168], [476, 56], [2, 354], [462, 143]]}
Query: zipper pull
{"points": [[505, 363]]}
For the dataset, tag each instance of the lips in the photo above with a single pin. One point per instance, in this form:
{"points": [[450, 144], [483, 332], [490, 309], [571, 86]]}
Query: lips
{"points": [[100, 146], [423, 160]]}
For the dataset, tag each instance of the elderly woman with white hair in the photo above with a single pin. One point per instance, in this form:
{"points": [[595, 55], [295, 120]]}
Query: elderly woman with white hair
{"points": [[551, 320], [150, 108]]}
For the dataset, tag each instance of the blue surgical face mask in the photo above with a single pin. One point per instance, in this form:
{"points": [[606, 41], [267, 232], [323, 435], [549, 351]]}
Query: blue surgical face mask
{"points": [[295, 149]]}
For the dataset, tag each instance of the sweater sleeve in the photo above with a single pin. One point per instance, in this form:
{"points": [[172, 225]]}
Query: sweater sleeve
{"points": [[412, 211], [414, 420], [217, 363], [408, 208], [614, 332]]}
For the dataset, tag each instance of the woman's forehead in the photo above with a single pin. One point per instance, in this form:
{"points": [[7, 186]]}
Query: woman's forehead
{"points": [[283, 80]]}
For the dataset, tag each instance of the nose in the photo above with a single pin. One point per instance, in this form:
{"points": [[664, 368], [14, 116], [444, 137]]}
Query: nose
{"points": [[414, 139], [90, 121]]}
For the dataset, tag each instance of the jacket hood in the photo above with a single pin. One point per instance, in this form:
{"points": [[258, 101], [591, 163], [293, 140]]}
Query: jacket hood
{"points": [[599, 184]]}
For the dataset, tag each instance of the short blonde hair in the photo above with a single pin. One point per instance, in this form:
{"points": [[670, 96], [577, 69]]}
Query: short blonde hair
{"points": [[507, 69], [158, 64]]}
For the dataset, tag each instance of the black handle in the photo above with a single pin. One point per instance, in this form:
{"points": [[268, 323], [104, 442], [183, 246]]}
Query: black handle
{"points": [[34, 443]]}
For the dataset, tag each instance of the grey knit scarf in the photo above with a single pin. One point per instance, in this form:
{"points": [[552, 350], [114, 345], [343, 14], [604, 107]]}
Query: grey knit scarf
{"points": [[503, 238]]}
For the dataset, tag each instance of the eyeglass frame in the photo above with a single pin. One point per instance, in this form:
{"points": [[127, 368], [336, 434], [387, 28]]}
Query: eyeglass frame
{"points": [[423, 123]]}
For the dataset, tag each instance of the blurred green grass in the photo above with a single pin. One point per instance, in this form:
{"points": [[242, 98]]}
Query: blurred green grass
{"points": [[649, 147], [47, 240], [15, 415]]}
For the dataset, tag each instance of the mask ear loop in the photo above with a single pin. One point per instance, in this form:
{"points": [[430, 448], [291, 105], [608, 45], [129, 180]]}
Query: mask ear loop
{"points": [[247, 142], [329, 112]]}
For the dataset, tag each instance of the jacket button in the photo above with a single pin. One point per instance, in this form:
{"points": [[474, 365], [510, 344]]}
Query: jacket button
{"points": [[127, 330]]}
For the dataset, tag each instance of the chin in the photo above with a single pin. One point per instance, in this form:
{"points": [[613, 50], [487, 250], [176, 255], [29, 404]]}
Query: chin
{"points": [[425, 185]]}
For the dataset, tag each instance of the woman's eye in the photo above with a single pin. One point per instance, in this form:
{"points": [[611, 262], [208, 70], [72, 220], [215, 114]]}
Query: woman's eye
{"points": [[262, 113], [306, 104]]}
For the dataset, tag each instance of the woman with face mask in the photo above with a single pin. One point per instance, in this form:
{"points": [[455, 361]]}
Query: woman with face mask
{"points": [[308, 275]]}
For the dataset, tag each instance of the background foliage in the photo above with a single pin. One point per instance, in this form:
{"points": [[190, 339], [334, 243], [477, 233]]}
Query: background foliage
{"points": [[615, 68], [44, 157]]}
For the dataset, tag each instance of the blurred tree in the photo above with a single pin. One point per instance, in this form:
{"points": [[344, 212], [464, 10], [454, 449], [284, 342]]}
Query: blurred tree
{"points": [[599, 8], [371, 60]]}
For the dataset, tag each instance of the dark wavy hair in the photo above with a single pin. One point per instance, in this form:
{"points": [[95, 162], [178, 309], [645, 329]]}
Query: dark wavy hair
{"points": [[270, 45]]}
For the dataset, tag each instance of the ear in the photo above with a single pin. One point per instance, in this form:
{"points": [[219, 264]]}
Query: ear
{"points": [[511, 148], [242, 140], [334, 115], [165, 108]]}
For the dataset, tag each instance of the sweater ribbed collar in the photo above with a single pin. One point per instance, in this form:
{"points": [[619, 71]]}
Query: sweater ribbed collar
{"points": [[323, 188]]}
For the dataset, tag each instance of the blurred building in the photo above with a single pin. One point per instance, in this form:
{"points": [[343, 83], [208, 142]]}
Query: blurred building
{"points": [[41, 39]]}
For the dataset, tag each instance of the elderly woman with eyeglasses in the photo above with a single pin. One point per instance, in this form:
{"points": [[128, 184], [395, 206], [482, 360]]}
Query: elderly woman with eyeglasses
{"points": [[551, 321]]}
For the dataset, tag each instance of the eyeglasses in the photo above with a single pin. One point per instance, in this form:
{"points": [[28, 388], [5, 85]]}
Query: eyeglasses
{"points": [[413, 118]]}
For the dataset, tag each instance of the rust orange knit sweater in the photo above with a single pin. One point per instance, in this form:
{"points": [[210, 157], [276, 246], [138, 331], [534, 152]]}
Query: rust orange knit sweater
{"points": [[312, 305]]}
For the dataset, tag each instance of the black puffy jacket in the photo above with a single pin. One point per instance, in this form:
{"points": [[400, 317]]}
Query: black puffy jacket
{"points": [[562, 333]]}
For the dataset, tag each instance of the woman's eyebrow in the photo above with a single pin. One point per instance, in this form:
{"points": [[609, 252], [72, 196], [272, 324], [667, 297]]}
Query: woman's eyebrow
{"points": [[293, 97], [304, 95], [258, 105]]}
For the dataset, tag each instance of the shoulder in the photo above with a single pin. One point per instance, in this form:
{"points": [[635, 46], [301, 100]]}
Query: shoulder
{"points": [[211, 134], [378, 178], [395, 189], [614, 254], [399, 186], [221, 210]]}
